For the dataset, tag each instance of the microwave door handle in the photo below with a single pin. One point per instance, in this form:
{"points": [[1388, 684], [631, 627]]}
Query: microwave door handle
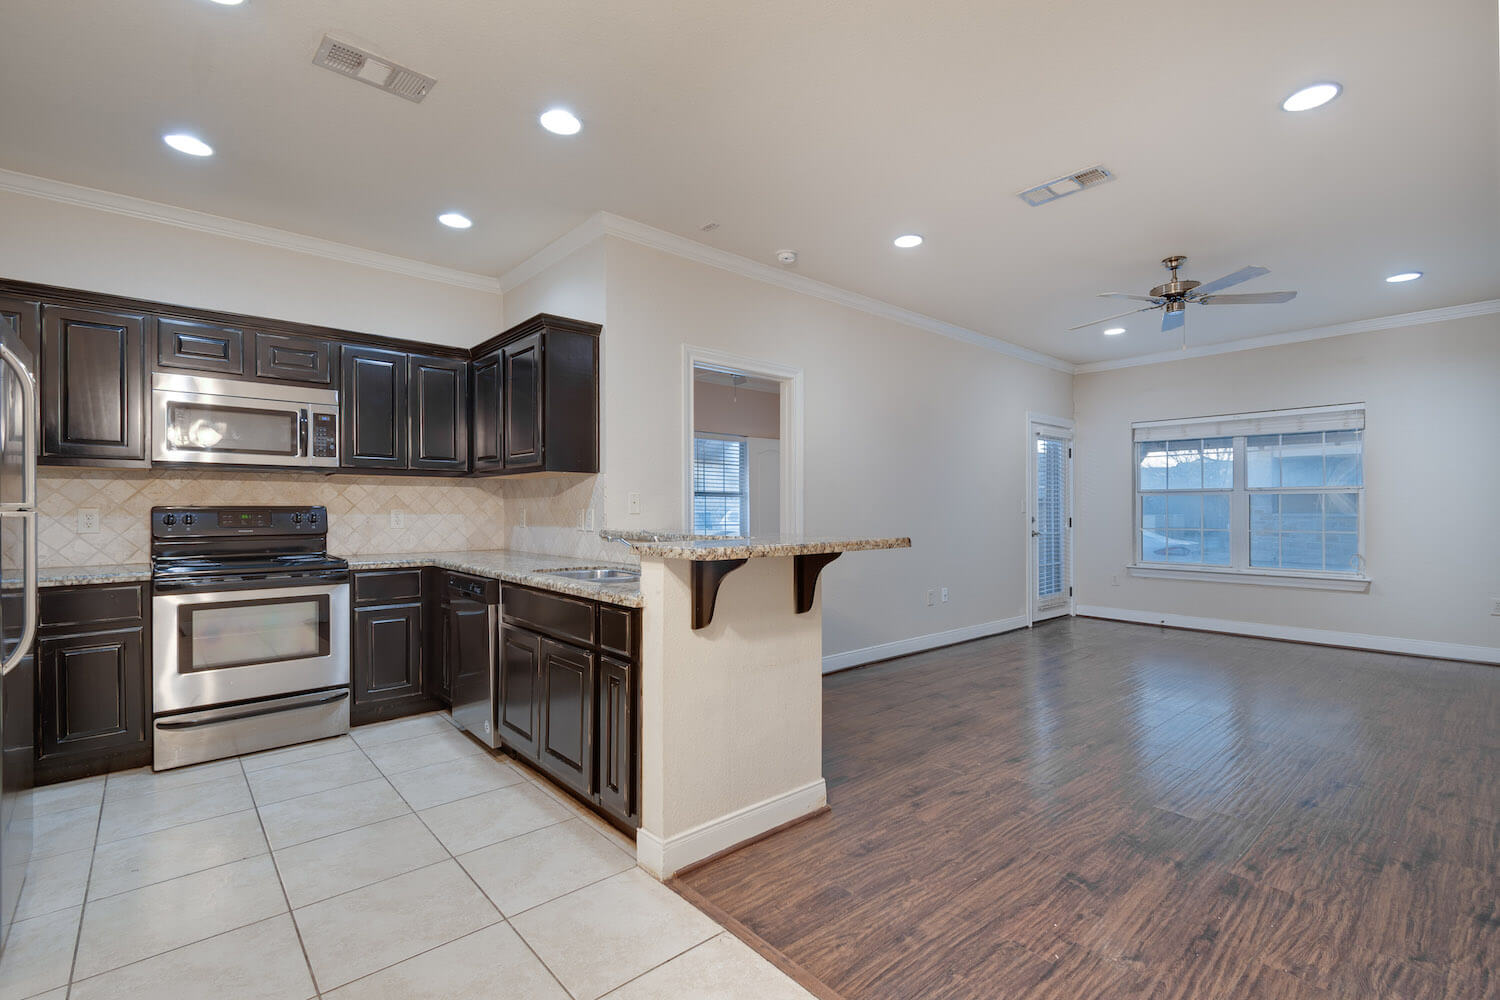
{"points": [[302, 433]]}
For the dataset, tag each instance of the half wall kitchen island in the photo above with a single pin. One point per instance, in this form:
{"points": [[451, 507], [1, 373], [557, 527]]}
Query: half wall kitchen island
{"points": [[731, 688]]}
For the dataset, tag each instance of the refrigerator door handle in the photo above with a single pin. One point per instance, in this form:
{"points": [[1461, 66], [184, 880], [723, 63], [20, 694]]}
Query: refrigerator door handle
{"points": [[28, 426], [28, 547]]}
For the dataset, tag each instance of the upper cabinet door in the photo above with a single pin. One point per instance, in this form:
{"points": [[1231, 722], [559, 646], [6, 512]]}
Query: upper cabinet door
{"points": [[94, 403], [25, 317], [486, 435], [293, 359], [438, 389], [521, 402], [372, 407], [203, 347]]}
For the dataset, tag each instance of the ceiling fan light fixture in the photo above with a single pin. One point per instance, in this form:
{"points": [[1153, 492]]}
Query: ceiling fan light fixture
{"points": [[1397, 279], [1313, 96]]}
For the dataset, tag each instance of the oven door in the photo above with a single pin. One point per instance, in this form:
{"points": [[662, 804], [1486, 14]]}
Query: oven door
{"points": [[227, 426], [214, 647]]}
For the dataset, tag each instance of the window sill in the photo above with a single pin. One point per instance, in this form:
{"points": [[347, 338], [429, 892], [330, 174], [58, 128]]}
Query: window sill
{"points": [[1258, 577]]}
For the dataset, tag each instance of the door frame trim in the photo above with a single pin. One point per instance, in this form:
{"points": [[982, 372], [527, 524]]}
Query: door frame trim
{"points": [[1034, 422], [791, 430]]}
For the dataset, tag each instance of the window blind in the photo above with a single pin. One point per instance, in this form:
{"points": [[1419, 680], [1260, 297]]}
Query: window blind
{"points": [[1345, 417]]}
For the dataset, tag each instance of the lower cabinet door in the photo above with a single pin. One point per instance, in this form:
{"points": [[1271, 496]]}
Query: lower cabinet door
{"points": [[91, 691], [568, 675], [616, 735], [520, 674], [387, 653]]}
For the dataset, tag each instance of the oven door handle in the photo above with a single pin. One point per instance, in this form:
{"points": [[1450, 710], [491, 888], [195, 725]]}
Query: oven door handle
{"points": [[251, 713]]}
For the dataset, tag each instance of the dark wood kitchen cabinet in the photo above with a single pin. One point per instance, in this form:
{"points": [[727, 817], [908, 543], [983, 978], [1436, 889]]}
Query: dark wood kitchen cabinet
{"points": [[93, 386], [570, 695], [93, 702], [199, 347], [536, 398], [388, 665], [285, 358], [520, 676], [25, 317], [372, 408], [438, 390]]}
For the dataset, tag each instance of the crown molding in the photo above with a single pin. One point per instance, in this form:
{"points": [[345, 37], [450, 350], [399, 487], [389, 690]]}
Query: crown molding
{"points": [[1419, 318], [608, 224], [218, 225]]}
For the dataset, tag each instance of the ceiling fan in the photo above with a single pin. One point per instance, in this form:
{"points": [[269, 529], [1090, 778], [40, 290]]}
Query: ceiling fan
{"points": [[1177, 294]]}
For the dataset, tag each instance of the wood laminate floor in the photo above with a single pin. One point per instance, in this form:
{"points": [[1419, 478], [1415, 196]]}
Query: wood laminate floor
{"points": [[1096, 809]]}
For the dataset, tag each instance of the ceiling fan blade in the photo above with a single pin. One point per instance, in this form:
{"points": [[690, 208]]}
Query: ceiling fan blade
{"points": [[1127, 295], [1248, 299], [1172, 321], [1243, 274], [1096, 322]]}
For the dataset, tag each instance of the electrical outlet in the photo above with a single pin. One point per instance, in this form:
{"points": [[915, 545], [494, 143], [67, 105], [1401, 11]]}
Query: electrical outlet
{"points": [[398, 520], [1114, 581], [1496, 609], [523, 517], [88, 520], [634, 500], [587, 521], [931, 598], [945, 595]]}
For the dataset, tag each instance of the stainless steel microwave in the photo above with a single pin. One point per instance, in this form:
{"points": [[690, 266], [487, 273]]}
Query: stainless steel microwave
{"points": [[237, 422]]}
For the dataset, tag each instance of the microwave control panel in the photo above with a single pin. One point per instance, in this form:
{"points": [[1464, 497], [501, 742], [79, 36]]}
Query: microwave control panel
{"points": [[325, 435]]}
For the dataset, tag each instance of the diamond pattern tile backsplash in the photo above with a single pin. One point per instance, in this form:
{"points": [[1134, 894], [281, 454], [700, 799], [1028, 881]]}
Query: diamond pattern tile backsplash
{"points": [[438, 513]]}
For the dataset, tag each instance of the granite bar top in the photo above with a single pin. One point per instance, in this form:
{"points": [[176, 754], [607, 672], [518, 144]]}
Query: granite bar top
{"points": [[512, 567], [85, 576], [706, 548]]}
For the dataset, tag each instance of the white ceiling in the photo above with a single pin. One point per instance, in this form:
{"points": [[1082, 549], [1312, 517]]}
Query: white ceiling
{"points": [[827, 127]]}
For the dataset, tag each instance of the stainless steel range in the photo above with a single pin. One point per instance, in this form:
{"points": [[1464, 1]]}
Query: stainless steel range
{"points": [[250, 645]]}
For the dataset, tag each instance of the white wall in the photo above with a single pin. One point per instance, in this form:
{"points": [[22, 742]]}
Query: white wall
{"points": [[55, 243], [907, 433], [1432, 476]]}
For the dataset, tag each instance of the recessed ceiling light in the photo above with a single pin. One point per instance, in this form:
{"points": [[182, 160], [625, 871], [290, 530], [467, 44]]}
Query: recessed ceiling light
{"points": [[189, 144], [1311, 97], [560, 121], [455, 220], [1396, 279], [228, 3], [1114, 331], [908, 241]]}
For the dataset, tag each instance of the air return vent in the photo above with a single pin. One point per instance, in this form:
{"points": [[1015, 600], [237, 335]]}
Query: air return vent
{"points": [[1064, 186], [353, 61]]}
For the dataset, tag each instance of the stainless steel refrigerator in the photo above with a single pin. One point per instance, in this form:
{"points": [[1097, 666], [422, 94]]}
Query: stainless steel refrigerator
{"points": [[18, 615]]}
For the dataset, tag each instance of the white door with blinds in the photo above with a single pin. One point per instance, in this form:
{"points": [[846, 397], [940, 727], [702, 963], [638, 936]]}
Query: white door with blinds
{"points": [[1050, 501]]}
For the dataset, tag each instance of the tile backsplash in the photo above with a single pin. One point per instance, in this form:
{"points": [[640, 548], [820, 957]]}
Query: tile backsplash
{"points": [[529, 515]]}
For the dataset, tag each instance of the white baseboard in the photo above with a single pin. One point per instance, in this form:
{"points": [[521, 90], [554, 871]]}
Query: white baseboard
{"points": [[917, 644], [1326, 637], [665, 857]]}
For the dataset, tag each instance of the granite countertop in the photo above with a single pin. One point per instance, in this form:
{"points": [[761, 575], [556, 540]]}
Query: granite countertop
{"points": [[705, 548], [513, 567], [83, 576]]}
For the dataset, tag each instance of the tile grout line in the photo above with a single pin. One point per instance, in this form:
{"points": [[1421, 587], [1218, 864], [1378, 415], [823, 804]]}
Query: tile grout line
{"points": [[83, 907], [712, 937], [281, 883]]}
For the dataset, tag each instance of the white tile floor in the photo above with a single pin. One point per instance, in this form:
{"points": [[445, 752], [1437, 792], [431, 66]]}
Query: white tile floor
{"points": [[403, 861]]}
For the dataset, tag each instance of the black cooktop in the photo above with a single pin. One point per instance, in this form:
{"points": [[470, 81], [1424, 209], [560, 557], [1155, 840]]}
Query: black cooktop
{"points": [[240, 541]]}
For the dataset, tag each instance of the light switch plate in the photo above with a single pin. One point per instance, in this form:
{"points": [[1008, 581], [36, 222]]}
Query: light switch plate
{"points": [[88, 520], [1496, 609], [945, 595]]}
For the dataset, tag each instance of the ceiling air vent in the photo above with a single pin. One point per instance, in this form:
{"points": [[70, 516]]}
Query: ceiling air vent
{"points": [[353, 61], [1066, 185]]}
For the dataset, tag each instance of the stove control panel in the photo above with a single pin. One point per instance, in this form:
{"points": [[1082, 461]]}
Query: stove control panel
{"points": [[208, 522]]}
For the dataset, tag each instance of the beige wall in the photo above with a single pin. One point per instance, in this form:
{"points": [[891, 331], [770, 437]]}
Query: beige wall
{"points": [[722, 409], [78, 247], [907, 433], [1432, 473]]}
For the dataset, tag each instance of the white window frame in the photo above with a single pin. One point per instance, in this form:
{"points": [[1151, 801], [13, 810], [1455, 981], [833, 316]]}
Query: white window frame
{"points": [[1239, 569], [744, 443]]}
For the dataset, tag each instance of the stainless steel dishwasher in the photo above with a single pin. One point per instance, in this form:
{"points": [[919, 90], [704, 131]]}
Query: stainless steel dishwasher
{"points": [[470, 640]]}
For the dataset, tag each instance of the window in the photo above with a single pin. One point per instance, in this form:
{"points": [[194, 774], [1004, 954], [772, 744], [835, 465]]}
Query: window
{"points": [[720, 485], [1274, 493]]}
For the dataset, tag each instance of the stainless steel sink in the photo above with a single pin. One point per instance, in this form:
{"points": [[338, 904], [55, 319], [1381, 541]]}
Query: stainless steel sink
{"points": [[596, 574]]}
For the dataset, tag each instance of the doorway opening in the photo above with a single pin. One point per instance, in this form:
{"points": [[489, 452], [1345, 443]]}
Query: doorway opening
{"points": [[743, 447], [1049, 501]]}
